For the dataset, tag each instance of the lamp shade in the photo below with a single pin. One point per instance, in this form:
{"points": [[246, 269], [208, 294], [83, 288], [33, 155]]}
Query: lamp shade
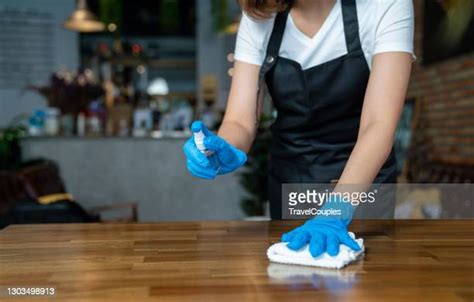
{"points": [[158, 87], [83, 20]]}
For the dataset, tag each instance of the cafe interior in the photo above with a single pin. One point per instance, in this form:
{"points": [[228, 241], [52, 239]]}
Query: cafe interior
{"points": [[97, 98], [96, 102]]}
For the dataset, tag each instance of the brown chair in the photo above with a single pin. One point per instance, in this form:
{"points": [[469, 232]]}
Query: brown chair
{"points": [[43, 182], [108, 213], [42, 179], [12, 190]]}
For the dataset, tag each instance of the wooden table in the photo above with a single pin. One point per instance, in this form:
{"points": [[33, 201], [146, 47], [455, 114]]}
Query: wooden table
{"points": [[225, 261]]}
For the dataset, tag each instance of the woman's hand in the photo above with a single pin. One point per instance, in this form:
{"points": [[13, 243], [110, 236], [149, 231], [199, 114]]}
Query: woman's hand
{"points": [[224, 159], [236, 133], [322, 235], [325, 233]]}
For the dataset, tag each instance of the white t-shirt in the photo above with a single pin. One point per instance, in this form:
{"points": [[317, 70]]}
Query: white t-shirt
{"points": [[384, 26]]}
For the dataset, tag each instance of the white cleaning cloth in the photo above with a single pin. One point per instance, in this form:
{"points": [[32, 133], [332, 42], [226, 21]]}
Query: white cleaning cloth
{"points": [[280, 253]]}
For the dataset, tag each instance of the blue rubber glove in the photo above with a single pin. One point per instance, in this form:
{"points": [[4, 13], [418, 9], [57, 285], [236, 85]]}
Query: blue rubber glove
{"points": [[323, 234], [225, 158]]}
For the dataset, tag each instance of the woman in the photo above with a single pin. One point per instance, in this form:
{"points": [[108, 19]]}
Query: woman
{"points": [[337, 72]]}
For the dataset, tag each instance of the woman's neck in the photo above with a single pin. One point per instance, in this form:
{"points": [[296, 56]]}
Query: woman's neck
{"points": [[312, 9]]}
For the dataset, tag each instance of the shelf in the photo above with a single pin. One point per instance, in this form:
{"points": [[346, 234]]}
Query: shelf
{"points": [[153, 135], [156, 63]]}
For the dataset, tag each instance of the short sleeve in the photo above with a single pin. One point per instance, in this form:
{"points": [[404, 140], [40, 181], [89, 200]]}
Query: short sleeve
{"points": [[395, 28], [249, 44]]}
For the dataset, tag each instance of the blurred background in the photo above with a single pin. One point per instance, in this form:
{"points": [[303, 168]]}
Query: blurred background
{"points": [[97, 96]]}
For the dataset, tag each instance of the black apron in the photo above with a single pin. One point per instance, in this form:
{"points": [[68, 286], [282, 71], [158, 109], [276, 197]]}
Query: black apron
{"points": [[318, 115]]}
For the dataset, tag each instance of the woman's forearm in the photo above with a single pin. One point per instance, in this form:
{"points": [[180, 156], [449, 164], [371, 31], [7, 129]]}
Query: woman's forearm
{"points": [[239, 125], [237, 134], [369, 154], [383, 104]]}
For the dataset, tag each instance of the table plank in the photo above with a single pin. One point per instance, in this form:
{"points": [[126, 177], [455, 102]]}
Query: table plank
{"points": [[409, 260]]}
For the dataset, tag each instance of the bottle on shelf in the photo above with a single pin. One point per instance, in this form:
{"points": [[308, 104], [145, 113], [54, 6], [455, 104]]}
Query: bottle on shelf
{"points": [[81, 124]]}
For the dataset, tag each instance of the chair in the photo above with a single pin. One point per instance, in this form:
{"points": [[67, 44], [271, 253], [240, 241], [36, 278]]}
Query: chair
{"points": [[11, 192], [43, 183]]}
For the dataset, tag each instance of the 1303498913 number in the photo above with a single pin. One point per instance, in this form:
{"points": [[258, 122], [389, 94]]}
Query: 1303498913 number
{"points": [[29, 291]]}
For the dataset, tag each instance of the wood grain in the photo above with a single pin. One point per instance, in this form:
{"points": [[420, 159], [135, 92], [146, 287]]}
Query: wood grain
{"points": [[412, 260]]}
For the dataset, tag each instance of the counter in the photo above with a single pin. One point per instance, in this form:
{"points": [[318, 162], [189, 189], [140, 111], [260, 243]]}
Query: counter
{"points": [[150, 171], [406, 260]]}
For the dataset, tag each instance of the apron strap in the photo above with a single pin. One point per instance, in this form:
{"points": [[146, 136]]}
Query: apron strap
{"points": [[273, 46], [351, 25], [351, 32]]}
